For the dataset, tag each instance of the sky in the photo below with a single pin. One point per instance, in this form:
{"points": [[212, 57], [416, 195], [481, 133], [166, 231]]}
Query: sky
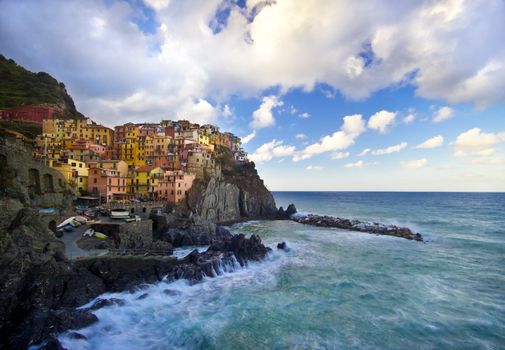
{"points": [[371, 95]]}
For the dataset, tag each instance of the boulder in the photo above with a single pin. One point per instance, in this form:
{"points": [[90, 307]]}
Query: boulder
{"points": [[291, 210]]}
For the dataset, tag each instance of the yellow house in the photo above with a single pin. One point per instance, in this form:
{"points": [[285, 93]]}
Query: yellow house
{"points": [[68, 172], [204, 141], [142, 179], [132, 152], [82, 174], [155, 176]]}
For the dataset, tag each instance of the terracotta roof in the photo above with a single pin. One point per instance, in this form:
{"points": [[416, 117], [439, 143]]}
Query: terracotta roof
{"points": [[145, 168]]}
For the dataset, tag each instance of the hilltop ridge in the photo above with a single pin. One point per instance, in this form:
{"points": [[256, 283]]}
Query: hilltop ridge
{"points": [[19, 86]]}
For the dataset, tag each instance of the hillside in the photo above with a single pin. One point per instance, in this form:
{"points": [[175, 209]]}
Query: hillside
{"points": [[19, 86]]}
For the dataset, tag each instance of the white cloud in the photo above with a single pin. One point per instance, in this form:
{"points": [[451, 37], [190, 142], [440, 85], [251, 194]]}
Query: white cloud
{"points": [[442, 114], [488, 161], [476, 142], [227, 112], [352, 127], [263, 117], [409, 119], [314, 167], [340, 155], [390, 149], [415, 164], [157, 4], [270, 150], [364, 152], [304, 115], [381, 121], [248, 138], [301, 136], [434, 142], [448, 50], [359, 164]]}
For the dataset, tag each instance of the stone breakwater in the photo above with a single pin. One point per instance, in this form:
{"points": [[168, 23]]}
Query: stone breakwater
{"points": [[353, 225]]}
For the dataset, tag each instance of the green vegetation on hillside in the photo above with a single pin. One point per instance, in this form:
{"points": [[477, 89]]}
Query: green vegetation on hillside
{"points": [[19, 86], [28, 129]]}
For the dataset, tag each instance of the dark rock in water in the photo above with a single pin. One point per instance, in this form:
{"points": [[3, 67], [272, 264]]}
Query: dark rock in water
{"points": [[281, 214], [53, 344], [171, 292], [107, 302], [77, 336], [356, 225], [143, 296], [291, 210], [281, 245]]}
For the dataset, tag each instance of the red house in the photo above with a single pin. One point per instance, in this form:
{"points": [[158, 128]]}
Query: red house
{"points": [[33, 113]]}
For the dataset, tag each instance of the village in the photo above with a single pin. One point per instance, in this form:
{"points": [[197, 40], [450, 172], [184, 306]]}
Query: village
{"points": [[131, 162]]}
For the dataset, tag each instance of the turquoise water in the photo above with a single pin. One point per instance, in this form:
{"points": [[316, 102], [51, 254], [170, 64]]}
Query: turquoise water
{"points": [[338, 289]]}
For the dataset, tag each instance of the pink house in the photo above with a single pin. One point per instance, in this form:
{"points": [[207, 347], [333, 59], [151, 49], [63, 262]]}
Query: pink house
{"points": [[109, 184], [174, 186]]}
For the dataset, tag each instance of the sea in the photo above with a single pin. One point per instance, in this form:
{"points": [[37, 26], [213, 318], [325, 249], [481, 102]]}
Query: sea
{"points": [[336, 289]]}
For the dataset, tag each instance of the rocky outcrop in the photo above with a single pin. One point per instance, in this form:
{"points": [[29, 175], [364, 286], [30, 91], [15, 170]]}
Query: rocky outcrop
{"points": [[286, 214], [224, 201], [352, 225]]}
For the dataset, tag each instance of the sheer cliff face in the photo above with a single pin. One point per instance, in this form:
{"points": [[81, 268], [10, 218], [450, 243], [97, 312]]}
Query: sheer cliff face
{"points": [[232, 196]]}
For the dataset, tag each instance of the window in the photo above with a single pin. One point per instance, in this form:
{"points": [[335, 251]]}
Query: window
{"points": [[94, 180], [72, 164], [80, 179]]}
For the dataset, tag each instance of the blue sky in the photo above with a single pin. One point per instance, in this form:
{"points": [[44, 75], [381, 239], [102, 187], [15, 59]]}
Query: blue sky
{"points": [[338, 95]]}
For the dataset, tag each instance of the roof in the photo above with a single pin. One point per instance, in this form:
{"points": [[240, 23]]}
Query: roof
{"points": [[145, 168]]}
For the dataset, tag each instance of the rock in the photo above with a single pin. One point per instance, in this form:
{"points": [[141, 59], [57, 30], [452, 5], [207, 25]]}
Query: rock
{"points": [[107, 302], [143, 296], [291, 210], [53, 344], [171, 292], [282, 246], [77, 336], [281, 214]]}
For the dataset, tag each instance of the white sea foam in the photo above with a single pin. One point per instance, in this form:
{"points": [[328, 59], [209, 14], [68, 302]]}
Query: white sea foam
{"points": [[172, 309]]}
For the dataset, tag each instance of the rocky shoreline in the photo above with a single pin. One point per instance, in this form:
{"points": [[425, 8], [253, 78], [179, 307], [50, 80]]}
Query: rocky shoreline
{"points": [[58, 291], [347, 224]]}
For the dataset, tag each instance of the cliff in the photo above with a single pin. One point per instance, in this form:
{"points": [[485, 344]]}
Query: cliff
{"points": [[235, 192]]}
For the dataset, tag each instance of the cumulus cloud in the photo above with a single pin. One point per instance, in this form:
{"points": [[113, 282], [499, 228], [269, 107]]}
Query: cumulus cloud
{"points": [[478, 143], [442, 114], [359, 164], [434, 142], [364, 152], [304, 115], [248, 138], [314, 167], [270, 150], [381, 121], [409, 119], [415, 164], [391, 149], [340, 155], [352, 127], [263, 117], [450, 50]]}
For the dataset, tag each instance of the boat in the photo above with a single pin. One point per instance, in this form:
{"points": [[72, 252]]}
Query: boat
{"points": [[81, 219], [119, 214], [68, 228], [92, 233]]}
